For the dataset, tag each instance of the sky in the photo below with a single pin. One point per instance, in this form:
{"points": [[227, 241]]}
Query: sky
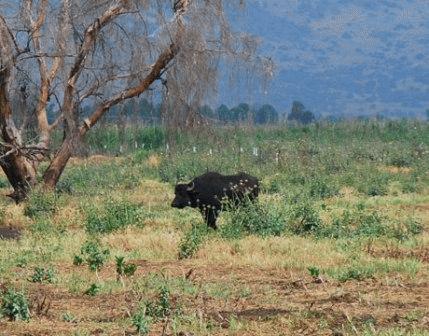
{"points": [[360, 57]]}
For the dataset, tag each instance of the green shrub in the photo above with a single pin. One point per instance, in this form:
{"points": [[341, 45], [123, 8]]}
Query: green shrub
{"points": [[112, 216], [41, 203], [303, 218], [401, 160], [141, 322], [322, 189], [406, 230], [93, 255], [314, 271], [4, 182], [43, 275], [354, 272], [363, 223], [93, 290], [253, 218], [42, 226], [14, 305], [357, 223], [192, 240], [374, 185], [161, 308], [123, 268]]}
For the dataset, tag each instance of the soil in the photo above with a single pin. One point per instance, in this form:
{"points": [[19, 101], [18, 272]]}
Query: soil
{"points": [[279, 302], [7, 232]]}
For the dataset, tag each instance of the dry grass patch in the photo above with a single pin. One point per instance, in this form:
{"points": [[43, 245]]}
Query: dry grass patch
{"points": [[151, 192], [274, 252], [154, 161], [94, 160], [395, 170], [146, 243]]}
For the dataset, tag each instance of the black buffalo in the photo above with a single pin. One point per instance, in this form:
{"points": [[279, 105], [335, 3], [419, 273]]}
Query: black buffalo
{"points": [[208, 191]]}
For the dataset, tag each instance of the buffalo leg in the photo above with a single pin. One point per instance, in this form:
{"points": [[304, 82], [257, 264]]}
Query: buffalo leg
{"points": [[210, 217]]}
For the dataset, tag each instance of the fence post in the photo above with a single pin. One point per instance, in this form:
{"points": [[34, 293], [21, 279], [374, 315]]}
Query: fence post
{"points": [[255, 151]]}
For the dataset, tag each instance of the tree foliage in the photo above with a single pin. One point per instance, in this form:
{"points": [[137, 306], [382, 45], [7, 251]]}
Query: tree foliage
{"points": [[299, 114]]}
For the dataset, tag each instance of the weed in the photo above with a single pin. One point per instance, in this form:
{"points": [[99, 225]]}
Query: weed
{"points": [[162, 307], [123, 268], [405, 230], [355, 272], [303, 218], [253, 219], [192, 240], [113, 216], [14, 305], [322, 189], [92, 254], [69, 317], [93, 289], [41, 203], [141, 322], [42, 226], [314, 271], [43, 275]]}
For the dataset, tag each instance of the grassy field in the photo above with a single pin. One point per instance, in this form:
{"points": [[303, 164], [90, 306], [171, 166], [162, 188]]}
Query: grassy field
{"points": [[338, 243]]}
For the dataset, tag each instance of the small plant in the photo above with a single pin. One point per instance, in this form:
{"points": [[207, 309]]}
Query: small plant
{"points": [[77, 260], [42, 226], [192, 240], [355, 272], [123, 268], [69, 317], [14, 306], [43, 275], [314, 271], [93, 290], [141, 322], [160, 308], [93, 255], [407, 229], [164, 302]]}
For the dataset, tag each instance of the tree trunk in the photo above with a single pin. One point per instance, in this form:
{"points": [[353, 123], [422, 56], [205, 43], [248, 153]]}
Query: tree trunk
{"points": [[21, 173], [57, 165]]}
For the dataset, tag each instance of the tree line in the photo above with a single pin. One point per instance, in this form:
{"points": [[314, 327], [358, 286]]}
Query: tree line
{"points": [[152, 113]]}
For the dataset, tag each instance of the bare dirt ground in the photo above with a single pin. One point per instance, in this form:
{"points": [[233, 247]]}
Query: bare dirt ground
{"points": [[277, 302]]}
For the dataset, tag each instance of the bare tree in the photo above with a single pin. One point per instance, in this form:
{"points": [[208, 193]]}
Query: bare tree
{"points": [[57, 55]]}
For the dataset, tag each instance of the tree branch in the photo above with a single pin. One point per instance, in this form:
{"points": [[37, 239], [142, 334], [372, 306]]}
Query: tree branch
{"points": [[89, 40], [157, 68]]}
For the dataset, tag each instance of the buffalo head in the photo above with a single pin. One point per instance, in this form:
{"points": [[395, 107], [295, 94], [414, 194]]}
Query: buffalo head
{"points": [[184, 195]]}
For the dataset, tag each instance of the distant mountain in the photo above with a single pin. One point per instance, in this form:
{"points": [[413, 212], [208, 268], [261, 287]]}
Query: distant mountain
{"points": [[360, 57]]}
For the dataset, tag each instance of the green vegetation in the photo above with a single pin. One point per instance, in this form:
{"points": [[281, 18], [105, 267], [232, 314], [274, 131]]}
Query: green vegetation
{"points": [[14, 305], [93, 255], [43, 275], [123, 268], [341, 218], [192, 240], [111, 216]]}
